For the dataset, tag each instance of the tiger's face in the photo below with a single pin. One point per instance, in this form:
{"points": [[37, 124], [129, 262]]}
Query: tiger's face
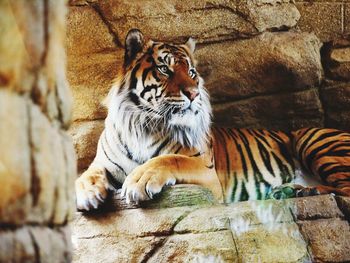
{"points": [[163, 80]]}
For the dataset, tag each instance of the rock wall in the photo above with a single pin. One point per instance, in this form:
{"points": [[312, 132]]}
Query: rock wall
{"points": [[37, 160], [275, 64], [313, 229]]}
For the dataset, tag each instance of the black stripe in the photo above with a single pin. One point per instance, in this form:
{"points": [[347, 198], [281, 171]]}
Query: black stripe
{"points": [[235, 184], [111, 179], [224, 146], [133, 78], [148, 89], [113, 162], [337, 169], [284, 173], [160, 147], [265, 156]]}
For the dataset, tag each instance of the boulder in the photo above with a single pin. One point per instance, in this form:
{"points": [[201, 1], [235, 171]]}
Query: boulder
{"points": [[285, 111], [267, 64]]}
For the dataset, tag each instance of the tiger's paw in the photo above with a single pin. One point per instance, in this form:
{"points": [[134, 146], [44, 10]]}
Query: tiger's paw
{"points": [[284, 191], [146, 181], [307, 191], [91, 189]]}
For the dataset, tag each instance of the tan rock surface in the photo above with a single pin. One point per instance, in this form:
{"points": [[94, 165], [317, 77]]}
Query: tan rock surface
{"points": [[286, 111], [176, 20], [336, 99], [85, 138], [271, 243], [253, 231], [204, 247], [322, 17], [15, 163], [37, 162], [329, 240], [269, 63]]}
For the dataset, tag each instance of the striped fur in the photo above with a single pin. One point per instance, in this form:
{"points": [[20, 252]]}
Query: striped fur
{"points": [[158, 132], [325, 153], [250, 162]]}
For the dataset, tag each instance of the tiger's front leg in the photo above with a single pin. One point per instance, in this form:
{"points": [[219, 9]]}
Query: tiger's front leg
{"points": [[148, 179], [91, 188]]}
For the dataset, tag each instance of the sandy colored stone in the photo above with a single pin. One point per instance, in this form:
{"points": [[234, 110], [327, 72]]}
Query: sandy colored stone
{"points": [[53, 245], [14, 54], [338, 63], [269, 63], [329, 240], [347, 18], [237, 215], [87, 28], [344, 205], [286, 111], [323, 18], [53, 170], [91, 81], [15, 167], [112, 249], [271, 243], [336, 100], [70, 175], [47, 165], [89, 41], [315, 207], [19, 243], [130, 222], [85, 137], [35, 244], [176, 20], [205, 247]]}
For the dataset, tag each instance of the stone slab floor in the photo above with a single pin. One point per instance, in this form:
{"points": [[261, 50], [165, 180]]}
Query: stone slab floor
{"points": [[184, 224]]}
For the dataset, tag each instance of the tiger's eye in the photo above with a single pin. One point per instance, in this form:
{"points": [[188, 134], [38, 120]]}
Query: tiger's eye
{"points": [[192, 73], [163, 69]]}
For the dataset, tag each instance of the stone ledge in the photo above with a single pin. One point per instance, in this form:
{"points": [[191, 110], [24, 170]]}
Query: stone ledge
{"points": [[168, 228]]}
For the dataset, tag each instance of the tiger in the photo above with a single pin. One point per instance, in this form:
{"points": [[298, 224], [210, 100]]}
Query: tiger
{"points": [[158, 132]]}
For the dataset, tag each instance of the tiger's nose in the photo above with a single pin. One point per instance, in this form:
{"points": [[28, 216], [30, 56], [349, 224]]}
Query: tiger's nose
{"points": [[191, 93]]}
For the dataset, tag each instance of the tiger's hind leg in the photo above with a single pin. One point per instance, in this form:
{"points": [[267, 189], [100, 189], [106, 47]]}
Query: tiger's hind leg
{"points": [[324, 153], [324, 189]]}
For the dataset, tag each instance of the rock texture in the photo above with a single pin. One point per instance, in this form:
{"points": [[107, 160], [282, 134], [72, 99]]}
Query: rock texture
{"points": [[37, 164], [310, 229]]}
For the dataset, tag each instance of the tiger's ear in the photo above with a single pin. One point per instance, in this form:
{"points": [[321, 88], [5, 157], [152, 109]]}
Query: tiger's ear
{"points": [[134, 42], [191, 44]]}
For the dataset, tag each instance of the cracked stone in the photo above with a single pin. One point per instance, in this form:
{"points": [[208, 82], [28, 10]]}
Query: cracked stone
{"points": [[314, 207], [205, 247], [174, 20], [329, 240], [263, 243], [233, 216], [112, 249], [15, 177], [35, 244], [130, 222]]}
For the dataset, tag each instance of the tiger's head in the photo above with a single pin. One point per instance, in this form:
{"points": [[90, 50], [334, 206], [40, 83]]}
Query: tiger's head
{"points": [[160, 85]]}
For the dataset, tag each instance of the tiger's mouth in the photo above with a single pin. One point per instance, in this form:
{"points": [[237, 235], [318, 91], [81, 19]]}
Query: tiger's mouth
{"points": [[180, 111]]}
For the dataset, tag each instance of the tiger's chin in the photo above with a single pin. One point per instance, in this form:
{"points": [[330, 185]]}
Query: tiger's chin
{"points": [[189, 127]]}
